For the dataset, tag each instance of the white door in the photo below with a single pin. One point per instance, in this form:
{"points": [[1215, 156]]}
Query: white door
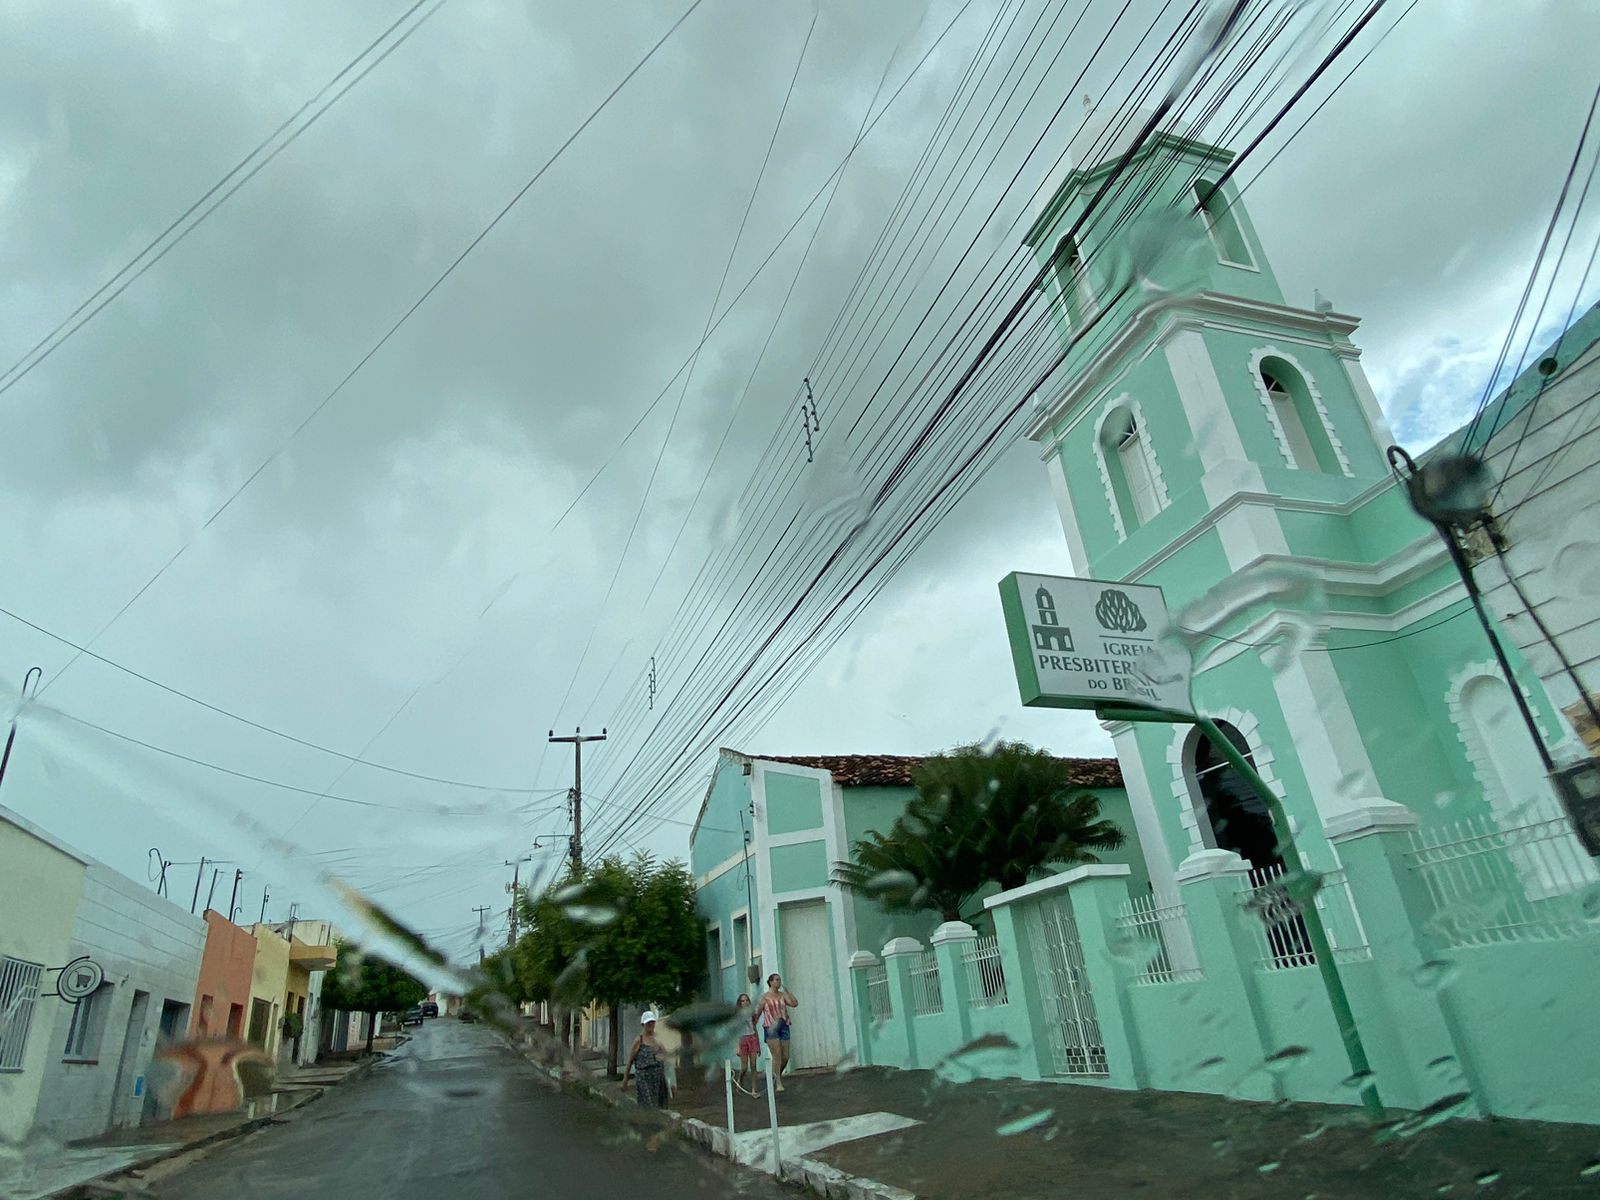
{"points": [[808, 971]]}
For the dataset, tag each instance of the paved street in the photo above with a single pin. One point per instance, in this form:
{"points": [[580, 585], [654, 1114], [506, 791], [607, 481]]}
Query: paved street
{"points": [[456, 1114]]}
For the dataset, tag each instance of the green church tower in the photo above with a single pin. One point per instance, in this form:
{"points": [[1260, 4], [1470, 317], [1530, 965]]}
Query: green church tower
{"points": [[1208, 436]]}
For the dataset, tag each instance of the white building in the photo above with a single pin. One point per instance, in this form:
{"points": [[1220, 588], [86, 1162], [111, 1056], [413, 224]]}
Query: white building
{"points": [[88, 1067]]}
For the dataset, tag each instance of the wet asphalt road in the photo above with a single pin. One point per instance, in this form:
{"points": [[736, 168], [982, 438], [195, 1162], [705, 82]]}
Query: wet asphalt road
{"points": [[456, 1115]]}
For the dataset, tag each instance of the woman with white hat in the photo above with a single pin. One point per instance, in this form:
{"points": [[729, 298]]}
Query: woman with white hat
{"points": [[647, 1061]]}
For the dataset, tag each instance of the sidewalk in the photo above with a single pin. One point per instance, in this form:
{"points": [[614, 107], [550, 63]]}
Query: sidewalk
{"points": [[1009, 1140], [48, 1170]]}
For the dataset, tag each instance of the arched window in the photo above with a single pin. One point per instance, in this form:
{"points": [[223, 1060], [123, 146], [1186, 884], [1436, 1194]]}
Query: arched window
{"points": [[1310, 447], [1130, 469], [1221, 224], [1508, 765], [1077, 295]]}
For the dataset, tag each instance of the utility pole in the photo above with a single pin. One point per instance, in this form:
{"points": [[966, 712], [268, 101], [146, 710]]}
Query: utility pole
{"points": [[265, 893], [481, 910], [233, 900], [516, 869], [578, 739], [198, 876], [30, 686]]}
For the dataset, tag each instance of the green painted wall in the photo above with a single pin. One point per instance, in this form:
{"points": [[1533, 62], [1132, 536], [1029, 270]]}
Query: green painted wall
{"points": [[800, 865], [794, 802]]}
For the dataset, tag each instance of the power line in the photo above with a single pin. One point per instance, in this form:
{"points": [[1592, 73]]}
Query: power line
{"points": [[1533, 274], [406, 316], [51, 342], [243, 720], [275, 783]]}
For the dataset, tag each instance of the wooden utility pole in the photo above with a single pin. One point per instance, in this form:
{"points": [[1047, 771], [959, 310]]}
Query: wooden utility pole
{"points": [[578, 739], [481, 910], [516, 868]]}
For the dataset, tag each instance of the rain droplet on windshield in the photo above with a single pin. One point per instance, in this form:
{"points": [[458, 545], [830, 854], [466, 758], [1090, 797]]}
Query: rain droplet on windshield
{"points": [[1023, 1124]]}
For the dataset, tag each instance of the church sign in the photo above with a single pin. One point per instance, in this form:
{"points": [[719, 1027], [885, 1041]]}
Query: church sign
{"points": [[1088, 643]]}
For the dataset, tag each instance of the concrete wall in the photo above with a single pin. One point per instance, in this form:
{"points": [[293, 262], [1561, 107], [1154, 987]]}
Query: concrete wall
{"points": [[1480, 1017], [150, 950], [269, 981], [224, 980], [40, 886]]}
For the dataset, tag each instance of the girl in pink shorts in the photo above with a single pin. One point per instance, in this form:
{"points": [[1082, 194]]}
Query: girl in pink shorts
{"points": [[749, 1044]]}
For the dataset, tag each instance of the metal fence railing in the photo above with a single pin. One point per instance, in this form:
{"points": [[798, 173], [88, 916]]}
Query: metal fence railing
{"points": [[925, 996], [1276, 901], [878, 993], [986, 973], [1491, 883], [19, 988], [1154, 929]]}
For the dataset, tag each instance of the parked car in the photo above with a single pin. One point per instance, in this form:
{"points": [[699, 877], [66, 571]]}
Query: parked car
{"points": [[430, 1009], [412, 1016]]}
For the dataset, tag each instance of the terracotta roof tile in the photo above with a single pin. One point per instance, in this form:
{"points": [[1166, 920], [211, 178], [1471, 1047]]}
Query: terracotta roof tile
{"points": [[894, 770]]}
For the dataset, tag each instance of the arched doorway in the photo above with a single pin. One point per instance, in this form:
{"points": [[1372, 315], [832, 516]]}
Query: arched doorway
{"points": [[1233, 813], [1234, 816]]}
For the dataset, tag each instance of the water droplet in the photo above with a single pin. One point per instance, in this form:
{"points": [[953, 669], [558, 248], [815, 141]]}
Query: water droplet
{"points": [[1210, 1064], [1485, 1178], [597, 915], [1023, 1124], [1589, 902], [1268, 1168], [1435, 974], [891, 882], [990, 1056], [1447, 1070], [1591, 1169], [1359, 1082], [1283, 1060], [1221, 1144]]}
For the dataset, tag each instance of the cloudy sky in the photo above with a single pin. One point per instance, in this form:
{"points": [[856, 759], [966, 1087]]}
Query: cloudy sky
{"points": [[404, 577]]}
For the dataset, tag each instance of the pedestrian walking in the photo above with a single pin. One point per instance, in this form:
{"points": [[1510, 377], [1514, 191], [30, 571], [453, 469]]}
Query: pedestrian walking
{"points": [[749, 1044], [647, 1061], [776, 1002]]}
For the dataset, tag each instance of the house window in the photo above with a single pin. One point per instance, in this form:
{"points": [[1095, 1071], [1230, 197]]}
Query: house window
{"points": [[88, 1019], [19, 988], [1222, 225], [1077, 295], [1306, 434], [1130, 469]]}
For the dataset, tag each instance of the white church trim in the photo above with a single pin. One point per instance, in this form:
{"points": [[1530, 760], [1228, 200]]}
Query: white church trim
{"points": [[1260, 355], [1126, 400]]}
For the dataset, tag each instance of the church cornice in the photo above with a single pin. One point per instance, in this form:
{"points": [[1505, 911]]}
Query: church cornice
{"points": [[1163, 317]]}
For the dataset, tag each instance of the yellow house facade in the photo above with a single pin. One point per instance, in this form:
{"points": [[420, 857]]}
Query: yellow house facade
{"points": [[269, 984]]}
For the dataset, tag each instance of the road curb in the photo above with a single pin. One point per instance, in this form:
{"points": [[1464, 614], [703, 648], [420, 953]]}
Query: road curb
{"points": [[803, 1174], [93, 1189]]}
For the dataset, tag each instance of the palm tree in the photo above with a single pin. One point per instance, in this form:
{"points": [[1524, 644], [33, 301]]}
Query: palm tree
{"points": [[978, 817]]}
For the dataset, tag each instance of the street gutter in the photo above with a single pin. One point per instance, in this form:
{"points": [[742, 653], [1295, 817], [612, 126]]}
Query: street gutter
{"points": [[101, 1186]]}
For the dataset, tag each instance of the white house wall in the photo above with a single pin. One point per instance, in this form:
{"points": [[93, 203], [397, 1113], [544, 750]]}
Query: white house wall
{"points": [[144, 944]]}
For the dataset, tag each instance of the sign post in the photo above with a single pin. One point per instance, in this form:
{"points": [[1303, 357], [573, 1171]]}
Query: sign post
{"points": [[1094, 644]]}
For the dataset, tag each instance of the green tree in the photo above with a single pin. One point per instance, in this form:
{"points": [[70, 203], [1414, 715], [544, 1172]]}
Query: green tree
{"points": [[978, 817], [615, 932], [363, 983]]}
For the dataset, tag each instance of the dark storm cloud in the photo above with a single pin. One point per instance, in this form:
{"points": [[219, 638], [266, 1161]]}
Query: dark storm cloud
{"points": [[355, 569]]}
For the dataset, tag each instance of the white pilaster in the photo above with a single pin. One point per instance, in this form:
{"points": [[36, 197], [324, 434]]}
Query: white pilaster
{"points": [[1325, 735], [1146, 818]]}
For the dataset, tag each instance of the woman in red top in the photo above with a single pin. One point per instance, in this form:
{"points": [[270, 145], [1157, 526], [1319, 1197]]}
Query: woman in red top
{"points": [[776, 1002]]}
